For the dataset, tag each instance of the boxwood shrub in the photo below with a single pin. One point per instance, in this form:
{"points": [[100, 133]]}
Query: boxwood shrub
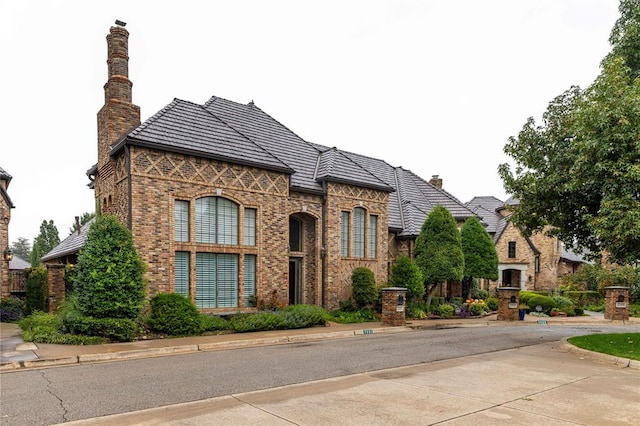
{"points": [[175, 315]]}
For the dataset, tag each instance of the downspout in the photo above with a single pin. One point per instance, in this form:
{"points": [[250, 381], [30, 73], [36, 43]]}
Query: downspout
{"points": [[323, 249]]}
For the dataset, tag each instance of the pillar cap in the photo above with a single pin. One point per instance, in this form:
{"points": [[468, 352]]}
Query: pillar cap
{"points": [[616, 287], [508, 288], [394, 288]]}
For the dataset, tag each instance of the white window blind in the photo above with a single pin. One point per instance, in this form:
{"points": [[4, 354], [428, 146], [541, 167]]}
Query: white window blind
{"points": [[249, 278], [181, 285], [359, 216], [181, 219], [250, 227], [344, 234], [216, 280], [373, 236], [216, 221]]}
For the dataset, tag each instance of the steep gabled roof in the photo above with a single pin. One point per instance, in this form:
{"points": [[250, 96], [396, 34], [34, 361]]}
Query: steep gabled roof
{"points": [[70, 245], [244, 134]]}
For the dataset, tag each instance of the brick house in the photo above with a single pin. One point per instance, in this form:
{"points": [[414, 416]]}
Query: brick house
{"points": [[5, 217], [229, 206], [531, 263]]}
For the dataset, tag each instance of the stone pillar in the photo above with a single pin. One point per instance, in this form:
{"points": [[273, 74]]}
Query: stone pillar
{"points": [[616, 303], [508, 300], [55, 281], [394, 302]]}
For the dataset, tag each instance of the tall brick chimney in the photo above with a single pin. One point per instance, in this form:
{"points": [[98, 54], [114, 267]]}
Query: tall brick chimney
{"points": [[118, 115], [436, 181]]}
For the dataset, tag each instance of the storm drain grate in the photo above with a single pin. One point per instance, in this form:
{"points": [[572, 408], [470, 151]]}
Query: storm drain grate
{"points": [[367, 331]]}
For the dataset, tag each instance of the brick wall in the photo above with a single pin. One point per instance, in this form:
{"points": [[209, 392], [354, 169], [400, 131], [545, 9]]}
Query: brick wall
{"points": [[5, 217]]}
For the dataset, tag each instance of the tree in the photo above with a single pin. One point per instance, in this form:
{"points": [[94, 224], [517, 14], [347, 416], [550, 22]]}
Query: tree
{"points": [[577, 175], [438, 250], [86, 217], [405, 273], [109, 281], [364, 289], [480, 256], [44, 242], [21, 248]]}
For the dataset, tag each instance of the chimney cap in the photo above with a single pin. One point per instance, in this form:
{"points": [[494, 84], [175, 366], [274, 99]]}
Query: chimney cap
{"points": [[121, 23]]}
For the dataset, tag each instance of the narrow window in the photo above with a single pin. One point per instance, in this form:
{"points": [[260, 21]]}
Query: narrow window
{"points": [[249, 227], [227, 221], [359, 216], [373, 236], [295, 234], [512, 249], [181, 285], [249, 280], [536, 264], [344, 234], [181, 219]]}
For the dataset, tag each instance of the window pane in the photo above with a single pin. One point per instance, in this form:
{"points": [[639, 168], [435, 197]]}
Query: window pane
{"points": [[227, 280], [205, 280], [182, 273], [373, 236], [250, 227], [205, 220], [249, 278], [181, 219], [227, 222], [295, 234], [358, 231], [344, 234], [512, 249]]}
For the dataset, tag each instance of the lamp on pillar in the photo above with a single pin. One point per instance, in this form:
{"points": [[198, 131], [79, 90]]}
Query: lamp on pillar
{"points": [[8, 254]]}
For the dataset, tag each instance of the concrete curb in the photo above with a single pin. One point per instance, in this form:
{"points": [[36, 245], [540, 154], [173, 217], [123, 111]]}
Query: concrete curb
{"points": [[598, 356], [173, 350]]}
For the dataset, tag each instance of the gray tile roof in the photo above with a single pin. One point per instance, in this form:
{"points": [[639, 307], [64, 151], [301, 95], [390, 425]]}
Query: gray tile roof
{"points": [[17, 263], [244, 134], [4, 175], [3, 193], [70, 245]]}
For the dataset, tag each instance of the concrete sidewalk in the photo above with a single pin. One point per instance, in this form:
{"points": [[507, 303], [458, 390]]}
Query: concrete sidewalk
{"points": [[17, 355]]}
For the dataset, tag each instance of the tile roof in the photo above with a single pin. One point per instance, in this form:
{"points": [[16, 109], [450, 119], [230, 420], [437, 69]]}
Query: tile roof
{"points": [[70, 245], [17, 263], [244, 134]]}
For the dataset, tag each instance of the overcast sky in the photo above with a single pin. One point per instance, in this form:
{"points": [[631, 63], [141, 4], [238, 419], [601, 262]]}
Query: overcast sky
{"points": [[434, 86]]}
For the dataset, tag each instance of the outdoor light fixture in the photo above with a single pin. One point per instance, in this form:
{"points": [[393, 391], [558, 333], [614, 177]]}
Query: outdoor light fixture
{"points": [[8, 254]]}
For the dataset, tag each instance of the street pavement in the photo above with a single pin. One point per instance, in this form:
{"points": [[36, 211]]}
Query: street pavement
{"points": [[551, 383]]}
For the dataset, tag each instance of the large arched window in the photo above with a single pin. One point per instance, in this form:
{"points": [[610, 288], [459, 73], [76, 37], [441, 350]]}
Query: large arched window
{"points": [[358, 234], [216, 221]]}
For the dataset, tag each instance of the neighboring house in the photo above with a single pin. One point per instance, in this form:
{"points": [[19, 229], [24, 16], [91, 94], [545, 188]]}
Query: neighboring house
{"points": [[531, 263], [227, 205], [67, 251], [5, 217]]}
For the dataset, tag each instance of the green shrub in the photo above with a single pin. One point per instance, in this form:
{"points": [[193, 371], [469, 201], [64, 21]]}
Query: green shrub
{"points": [[547, 303], [477, 293], [562, 302], [362, 315], [214, 323], [579, 311], [477, 308], [260, 321], [37, 290], [301, 316], [582, 298], [109, 280], [446, 311], [405, 273], [417, 310], [12, 309], [112, 329], [364, 288], [492, 303], [524, 296], [175, 315]]}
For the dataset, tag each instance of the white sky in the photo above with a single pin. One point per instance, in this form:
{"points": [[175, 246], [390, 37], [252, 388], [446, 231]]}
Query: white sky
{"points": [[434, 86]]}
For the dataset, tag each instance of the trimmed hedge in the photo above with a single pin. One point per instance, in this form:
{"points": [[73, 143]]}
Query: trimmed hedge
{"points": [[547, 303]]}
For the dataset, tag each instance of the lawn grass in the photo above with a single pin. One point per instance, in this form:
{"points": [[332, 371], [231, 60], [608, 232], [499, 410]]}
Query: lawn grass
{"points": [[625, 345]]}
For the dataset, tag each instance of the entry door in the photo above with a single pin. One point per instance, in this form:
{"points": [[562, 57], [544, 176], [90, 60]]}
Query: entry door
{"points": [[295, 278]]}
